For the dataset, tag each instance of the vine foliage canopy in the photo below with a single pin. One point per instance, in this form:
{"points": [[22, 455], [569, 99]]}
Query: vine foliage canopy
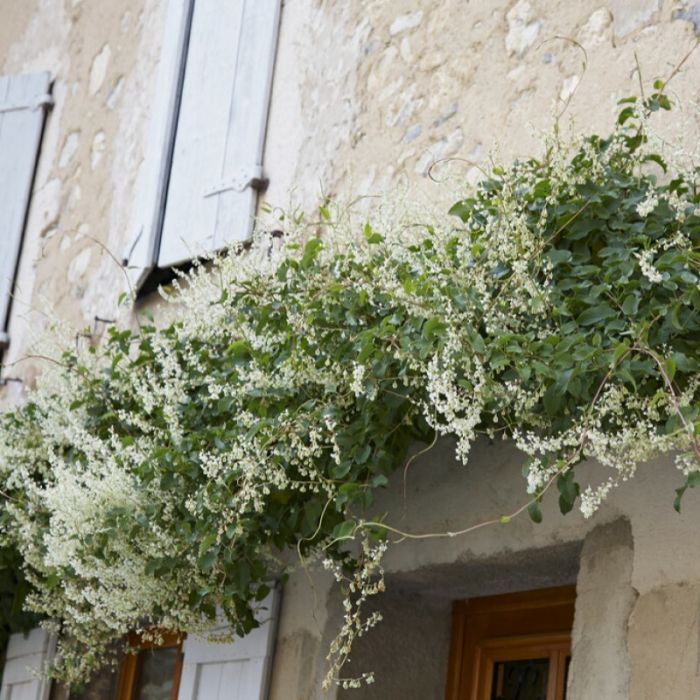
{"points": [[168, 472]]}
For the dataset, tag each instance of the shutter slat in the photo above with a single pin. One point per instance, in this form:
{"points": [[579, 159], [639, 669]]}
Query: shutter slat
{"points": [[236, 671], [141, 251], [248, 118], [198, 156], [20, 134], [221, 127]]}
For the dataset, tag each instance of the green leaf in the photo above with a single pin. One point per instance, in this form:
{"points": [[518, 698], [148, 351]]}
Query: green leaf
{"points": [[535, 512], [625, 114], [670, 367], [433, 328], [675, 317], [207, 542], [596, 314], [631, 304], [621, 349], [559, 256], [206, 561], [569, 491], [311, 250], [372, 237], [344, 530], [692, 480]]}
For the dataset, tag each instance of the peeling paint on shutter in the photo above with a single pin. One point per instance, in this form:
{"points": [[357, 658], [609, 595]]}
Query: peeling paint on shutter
{"points": [[23, 102]]}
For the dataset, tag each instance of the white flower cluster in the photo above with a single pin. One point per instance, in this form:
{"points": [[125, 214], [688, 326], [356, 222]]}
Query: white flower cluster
{"points": [[366, 580], [136, 471]]}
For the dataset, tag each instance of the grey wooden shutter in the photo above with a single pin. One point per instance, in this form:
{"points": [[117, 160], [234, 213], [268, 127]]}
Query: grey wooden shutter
{"points": [[23, 99], [237, 671], [141, 251], [25, 660], [217, 155]]}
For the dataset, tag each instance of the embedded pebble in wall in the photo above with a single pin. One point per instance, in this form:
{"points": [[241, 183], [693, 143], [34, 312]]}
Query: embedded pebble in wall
{"points": [[83, 231], [523, 28], [79, 265], [413, 133], [98, 71], [406, 52], [75, 195], [98, 149], [516, 73], [431, 60], [70, 146], [65, 243], [477, 153], [47, 200], [630, 15], [569, 87], [454, 143], [405, 22], [126, 21], [114, 94], [409, 105], [690, 13], [446, 147], [447, 114], [597, 29]]}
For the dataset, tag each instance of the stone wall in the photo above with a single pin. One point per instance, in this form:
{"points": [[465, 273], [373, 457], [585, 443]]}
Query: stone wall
{"points": [[635, 565], [368, 94]]}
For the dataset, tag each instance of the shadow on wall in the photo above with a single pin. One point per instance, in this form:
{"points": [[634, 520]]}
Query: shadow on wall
{"points": [[409, 649]]}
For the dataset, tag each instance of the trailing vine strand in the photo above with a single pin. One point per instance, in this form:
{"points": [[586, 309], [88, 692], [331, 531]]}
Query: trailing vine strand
{"points": [[168, 472]]}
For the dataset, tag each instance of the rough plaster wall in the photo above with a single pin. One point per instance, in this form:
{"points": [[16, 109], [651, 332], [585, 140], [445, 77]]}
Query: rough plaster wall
{"points": [[413, 640], [409, 649], [102, 57], [368, 93], [663, 644], [298, 665], [635, 543], [600, 665], [375, 90]]}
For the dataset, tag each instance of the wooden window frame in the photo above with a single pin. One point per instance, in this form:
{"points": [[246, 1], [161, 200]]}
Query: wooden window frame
{"points": [[515, 625], [129, 667]]}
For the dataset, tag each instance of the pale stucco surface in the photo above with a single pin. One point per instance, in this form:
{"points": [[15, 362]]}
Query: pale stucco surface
{"points": [[368, 94], [635, 560]]}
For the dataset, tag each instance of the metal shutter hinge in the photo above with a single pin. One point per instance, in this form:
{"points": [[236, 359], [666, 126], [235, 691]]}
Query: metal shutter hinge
{"points": [[39, 101], [252, 178]]}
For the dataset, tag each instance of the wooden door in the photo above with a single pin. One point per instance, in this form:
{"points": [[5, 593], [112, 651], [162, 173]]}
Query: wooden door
{"points": [[512, 647]]}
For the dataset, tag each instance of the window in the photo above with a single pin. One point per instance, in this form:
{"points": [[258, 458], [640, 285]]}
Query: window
{"points": [[153, 673], [204, 162], [189, 669], [23, 102], [512, 647]]}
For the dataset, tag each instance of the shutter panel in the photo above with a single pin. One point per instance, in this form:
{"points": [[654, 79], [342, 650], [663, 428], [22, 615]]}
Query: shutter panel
{"points": [[217, 156], [142, 250], [26, 658], [237, 671], [23, 99]]}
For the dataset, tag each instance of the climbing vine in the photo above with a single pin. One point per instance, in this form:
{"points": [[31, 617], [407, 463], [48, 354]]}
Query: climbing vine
{"points": [[167, 472]]}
